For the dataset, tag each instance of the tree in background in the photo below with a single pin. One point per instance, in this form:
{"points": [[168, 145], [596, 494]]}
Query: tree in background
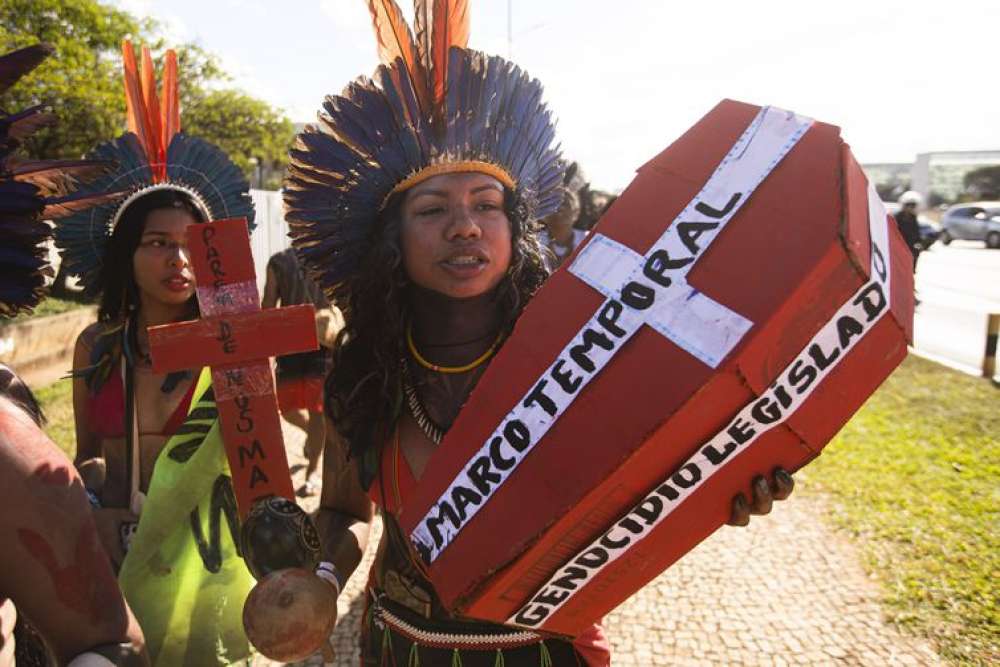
{"points": [[983, 183], [83, 83], [254, 134]]}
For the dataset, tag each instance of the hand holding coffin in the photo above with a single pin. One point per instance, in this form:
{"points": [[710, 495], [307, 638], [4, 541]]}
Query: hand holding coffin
{"points": [[764, 495]]}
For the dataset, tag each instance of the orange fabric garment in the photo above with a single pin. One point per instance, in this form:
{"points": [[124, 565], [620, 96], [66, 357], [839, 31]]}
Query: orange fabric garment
{"points": [[593, 645], [302, 393]]}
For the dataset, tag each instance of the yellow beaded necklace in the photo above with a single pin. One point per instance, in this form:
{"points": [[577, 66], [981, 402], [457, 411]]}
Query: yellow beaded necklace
{"points": [[478, 361]]}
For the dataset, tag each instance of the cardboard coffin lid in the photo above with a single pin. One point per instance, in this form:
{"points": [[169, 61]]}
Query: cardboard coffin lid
{"points": [[795, 251], [791, 445]]}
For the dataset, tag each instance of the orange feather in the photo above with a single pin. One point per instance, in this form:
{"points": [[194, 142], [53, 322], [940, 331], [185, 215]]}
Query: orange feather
{"points": [[153, 120], [170, 100], [155, 148], [450, 28], [135, 106], [396, 42], [423, 19]]}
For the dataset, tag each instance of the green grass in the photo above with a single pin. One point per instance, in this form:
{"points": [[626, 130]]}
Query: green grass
{"points": [[56, 400], [49, 306], [915, 478]]}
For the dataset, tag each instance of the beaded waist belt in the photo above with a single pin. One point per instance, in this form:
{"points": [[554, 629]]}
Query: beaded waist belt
{"points": [[447, 635]]}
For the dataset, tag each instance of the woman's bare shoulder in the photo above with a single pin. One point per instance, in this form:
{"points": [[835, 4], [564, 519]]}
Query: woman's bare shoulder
{"points": [[89, 335]]}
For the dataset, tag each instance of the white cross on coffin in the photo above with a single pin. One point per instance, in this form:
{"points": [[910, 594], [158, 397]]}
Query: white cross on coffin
{"points": [[697, 324]]}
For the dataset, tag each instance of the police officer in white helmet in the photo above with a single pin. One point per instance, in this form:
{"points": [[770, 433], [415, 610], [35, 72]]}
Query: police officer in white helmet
{"points": [[906, 219]]}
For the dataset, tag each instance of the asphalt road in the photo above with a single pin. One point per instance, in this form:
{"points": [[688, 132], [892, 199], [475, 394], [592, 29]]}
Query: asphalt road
{"points": [[958, 285]]}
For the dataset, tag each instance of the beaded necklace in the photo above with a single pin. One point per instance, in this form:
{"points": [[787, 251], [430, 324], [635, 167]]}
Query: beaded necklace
{"points": [[430, 428]]}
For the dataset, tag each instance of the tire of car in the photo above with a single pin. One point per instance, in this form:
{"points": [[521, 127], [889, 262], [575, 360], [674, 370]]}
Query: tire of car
{"points": [[945, 237], [993, 240]]}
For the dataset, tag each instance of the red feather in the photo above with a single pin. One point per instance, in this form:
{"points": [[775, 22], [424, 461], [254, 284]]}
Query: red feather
{"points": [[396, 42], [155, 148], [155, 123], [135, 105], [451, 28], [170, 100]]}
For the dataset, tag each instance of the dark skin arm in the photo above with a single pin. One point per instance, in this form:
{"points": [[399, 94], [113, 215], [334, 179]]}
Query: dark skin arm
{"points": [[270, 298], [90, 455], [88, 444], [345, 511]]}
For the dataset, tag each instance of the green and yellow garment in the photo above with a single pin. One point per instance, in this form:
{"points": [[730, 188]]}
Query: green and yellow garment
{"points": [[184, 576]]}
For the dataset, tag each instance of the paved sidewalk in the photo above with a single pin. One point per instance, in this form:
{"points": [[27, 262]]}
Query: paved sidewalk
{"points": [[787, 590]]}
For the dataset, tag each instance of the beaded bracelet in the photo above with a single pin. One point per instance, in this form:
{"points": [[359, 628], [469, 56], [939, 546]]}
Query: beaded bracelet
{"points": [[329, 572]]}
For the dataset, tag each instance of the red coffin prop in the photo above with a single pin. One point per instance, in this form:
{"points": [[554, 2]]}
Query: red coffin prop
{"points": [[553, 532]]}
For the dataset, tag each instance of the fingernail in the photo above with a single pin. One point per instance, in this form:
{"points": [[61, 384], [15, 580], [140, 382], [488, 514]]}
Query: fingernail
{"points": [[740, 502], [782, 476]]}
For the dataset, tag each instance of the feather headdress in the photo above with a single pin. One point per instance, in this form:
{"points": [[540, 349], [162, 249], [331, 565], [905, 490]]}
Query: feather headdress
{"points": [[32, 191], [432, 107], [153, 155]]}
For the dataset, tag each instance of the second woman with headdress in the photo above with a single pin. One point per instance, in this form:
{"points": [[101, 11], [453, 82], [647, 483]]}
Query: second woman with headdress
{"points": [[148, 446]]}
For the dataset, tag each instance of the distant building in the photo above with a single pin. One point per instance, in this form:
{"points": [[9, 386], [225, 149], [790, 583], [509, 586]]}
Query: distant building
{"points": [[941, 173], [891, 179]]}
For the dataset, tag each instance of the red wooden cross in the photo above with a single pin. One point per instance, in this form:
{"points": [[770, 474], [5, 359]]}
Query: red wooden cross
{"points": [[235, 338]]}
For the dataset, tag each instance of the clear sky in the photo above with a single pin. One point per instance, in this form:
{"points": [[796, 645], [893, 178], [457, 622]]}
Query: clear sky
{"points": [[626, 77]]}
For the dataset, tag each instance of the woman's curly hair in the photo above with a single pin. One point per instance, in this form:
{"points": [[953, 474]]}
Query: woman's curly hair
{"points": [[364, 390]]}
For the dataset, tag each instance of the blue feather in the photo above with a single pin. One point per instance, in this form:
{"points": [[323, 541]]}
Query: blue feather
{"points": [[191, 162]]}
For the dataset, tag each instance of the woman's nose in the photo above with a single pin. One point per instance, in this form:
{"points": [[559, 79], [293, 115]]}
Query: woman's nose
{"points": [[463, 224], [179, 256]]}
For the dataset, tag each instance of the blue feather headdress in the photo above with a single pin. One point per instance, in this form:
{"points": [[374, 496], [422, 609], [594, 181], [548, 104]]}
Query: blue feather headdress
{"points": [[32, 191], [153, 155], [432, 107]]}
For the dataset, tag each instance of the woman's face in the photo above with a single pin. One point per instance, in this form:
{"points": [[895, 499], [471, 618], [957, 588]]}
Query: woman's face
{"points": [[455, 235], [161, 263]]}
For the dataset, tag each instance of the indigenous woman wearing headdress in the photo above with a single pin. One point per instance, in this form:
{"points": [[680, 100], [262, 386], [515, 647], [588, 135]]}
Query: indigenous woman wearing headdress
{"points": [[52, 565], [413, 203], [148, 445]]}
